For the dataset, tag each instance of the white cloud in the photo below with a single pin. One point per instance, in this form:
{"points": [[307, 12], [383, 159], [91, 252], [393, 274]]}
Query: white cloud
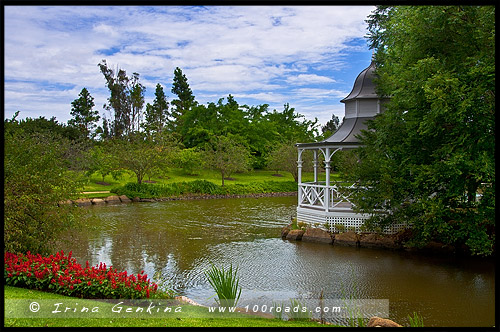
{"points": [[303, 79], [264, 53]]}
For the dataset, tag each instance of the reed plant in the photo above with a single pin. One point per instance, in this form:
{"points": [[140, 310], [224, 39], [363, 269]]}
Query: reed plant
{"points": [[225, 284], [416, 320], [299, 311]]}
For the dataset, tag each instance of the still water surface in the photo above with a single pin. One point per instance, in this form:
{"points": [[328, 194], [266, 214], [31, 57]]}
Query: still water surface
{"points": [[179, 239]]}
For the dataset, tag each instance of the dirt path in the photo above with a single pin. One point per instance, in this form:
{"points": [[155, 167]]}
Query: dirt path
{"points": [[96, 192]]}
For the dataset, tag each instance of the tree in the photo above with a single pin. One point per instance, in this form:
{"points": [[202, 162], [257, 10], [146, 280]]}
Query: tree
{"points": [[36, 180], [284, 158], [102, 161], [42, 125], [84, 117], [136, 102], [126, 100], [190, 160], [157, 116], [185, 99], [226, 156], [142, 156], [432, 151], [331, 126]]}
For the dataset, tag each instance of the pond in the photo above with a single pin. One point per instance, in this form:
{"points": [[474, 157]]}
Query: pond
{"points": [[180, 239]]}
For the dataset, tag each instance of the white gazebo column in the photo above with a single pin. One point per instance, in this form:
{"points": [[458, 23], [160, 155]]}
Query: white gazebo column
{"points": [[315, 163], [299, 175], [327, 179]]}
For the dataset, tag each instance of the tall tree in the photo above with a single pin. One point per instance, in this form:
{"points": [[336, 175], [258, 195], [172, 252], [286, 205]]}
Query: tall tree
{"points": [[119, 102], [185, 99], [157, 116], [432, 150], [84, 116], [136, 96], [126, 100]]}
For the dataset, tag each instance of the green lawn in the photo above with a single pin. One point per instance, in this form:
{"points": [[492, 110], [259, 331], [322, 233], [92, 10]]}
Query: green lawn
{"points": [[94, 182], [190, 316], [178, 175]]}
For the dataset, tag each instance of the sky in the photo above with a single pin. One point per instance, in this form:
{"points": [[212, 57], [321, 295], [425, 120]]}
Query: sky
{"points": [[306, 56]]}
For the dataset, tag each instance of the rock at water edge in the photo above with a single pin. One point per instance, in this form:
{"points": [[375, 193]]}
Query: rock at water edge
{"points": [[112, 200], [347, 239], [295, 234], [381, 322], [317, 235], [125, 199]]}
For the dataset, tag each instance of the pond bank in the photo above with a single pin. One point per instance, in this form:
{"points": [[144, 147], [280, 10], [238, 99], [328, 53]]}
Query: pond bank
{"points": [[368, 240], [124, 199]]}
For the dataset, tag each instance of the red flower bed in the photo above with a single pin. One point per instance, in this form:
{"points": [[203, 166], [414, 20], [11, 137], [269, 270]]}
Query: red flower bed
{"points": [[63, 275]]}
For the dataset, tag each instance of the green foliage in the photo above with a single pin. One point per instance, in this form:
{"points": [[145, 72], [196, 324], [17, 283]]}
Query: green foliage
{"points": [[126, 100], [84, 117], [102, 161], [190, 160], [35, 181], [157, 116], [152, 190], [184, 102], [42, 125], [225, 284], [416, 320], [226, 156], [284, 158], [255, 127], [432, 150], [142, 155]]}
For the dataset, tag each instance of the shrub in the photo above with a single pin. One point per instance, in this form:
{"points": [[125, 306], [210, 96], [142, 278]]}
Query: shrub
{"points": [[63, 275], [150, 190]]}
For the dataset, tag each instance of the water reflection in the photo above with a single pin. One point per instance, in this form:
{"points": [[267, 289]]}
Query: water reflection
{"points": [[180, 239]]}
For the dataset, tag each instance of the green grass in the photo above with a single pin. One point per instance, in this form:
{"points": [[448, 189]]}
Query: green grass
{"points": [[190, 316], [178, 175]]}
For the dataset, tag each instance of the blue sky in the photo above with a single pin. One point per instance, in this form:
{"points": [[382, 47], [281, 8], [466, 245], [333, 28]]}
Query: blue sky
{"points": [[307, 56]]}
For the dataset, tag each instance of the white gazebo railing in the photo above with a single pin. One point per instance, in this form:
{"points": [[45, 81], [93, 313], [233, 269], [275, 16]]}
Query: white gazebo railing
{"points": [[329, 203], [330, 198]]}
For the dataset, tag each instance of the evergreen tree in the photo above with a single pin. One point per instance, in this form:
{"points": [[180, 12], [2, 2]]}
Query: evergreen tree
{"points": [[185, 99], [84, 116], [157, 116]]}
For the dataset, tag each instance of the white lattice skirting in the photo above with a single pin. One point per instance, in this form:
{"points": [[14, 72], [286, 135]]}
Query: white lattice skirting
{"points": [[329, 220]]}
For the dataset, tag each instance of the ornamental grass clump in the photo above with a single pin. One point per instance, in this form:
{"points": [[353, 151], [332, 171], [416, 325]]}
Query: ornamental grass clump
{"points": [[416, 320], [63, 275], [225, 284]]}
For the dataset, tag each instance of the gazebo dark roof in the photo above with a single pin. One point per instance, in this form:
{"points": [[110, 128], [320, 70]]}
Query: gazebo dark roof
{"points": [[345, 136], [363, 86]]}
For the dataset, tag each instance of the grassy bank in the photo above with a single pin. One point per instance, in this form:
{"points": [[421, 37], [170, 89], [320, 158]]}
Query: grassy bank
{"points": [[202, 187], [190, 316], [177, 182]]}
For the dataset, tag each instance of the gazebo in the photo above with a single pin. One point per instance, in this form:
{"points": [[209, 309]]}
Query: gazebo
{"points": [[322, 202]]}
